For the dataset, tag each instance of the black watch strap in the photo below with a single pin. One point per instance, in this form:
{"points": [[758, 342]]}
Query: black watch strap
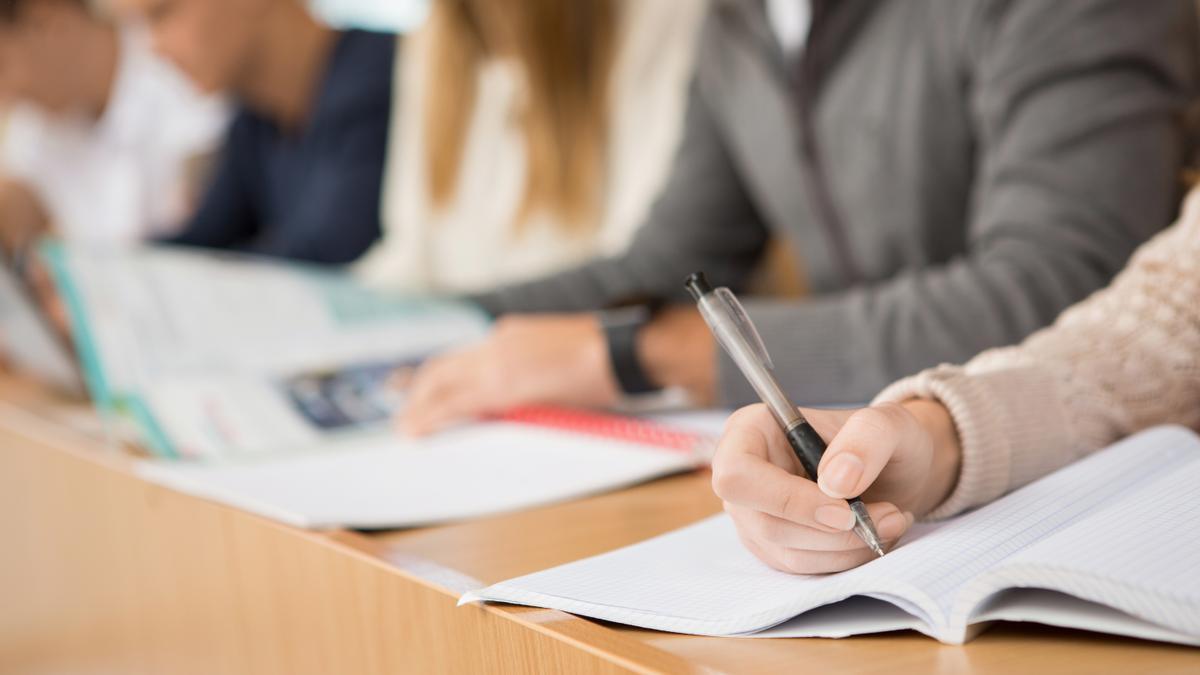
{"points": [[621, 328]]}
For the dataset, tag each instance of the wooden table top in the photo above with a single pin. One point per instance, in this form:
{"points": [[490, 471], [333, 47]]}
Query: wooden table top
{"points": [[492, 549]]}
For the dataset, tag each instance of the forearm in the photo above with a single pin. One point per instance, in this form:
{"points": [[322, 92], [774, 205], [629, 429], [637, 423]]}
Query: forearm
{"points": [[1122, 361], [22, 217]]}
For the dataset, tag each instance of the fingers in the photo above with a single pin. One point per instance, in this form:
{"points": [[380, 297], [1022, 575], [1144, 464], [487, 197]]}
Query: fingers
{"points": [[440, 394], [861, 449], [798, 549], [790, 522], [744, 475], [888, 519]]}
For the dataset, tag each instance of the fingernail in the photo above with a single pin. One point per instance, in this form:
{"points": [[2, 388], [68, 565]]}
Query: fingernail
{"points": [[841, 476], [893, 525], [837, 517]]}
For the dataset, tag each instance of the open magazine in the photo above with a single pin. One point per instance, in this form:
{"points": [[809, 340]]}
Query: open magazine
{"points": [[275, 381], [218, 355]]}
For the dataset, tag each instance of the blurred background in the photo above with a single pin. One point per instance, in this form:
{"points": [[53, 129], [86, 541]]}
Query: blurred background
{"points": [[385, 15]]}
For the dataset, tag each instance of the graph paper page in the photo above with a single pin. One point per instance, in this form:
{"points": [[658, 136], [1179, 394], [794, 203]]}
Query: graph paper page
{"points": [[701, 580]]}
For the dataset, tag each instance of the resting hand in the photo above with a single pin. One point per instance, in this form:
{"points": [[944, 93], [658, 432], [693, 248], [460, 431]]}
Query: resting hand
{"points": [[527, 360], [901, 459]]}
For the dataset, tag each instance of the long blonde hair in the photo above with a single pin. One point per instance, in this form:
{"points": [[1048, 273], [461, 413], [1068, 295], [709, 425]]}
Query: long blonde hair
{"points": [[565, 49]]}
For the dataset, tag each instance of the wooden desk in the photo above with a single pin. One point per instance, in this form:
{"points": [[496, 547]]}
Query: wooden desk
{"points": [[101, 572]]}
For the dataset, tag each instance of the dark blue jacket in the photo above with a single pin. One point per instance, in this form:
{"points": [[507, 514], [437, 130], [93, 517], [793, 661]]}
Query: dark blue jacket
{"points": [[311, 195]]}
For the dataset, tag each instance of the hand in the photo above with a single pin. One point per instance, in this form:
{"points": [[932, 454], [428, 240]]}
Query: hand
{"points": [[678, 350], [23, 221], [527, 360], [901, 459], [45, 294]]}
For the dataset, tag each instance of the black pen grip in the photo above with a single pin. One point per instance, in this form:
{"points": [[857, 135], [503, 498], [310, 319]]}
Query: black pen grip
{"points": [[808, 446]]}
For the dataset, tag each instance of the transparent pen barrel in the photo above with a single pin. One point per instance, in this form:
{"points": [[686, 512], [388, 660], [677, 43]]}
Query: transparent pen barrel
{"points": [[730, 337]]}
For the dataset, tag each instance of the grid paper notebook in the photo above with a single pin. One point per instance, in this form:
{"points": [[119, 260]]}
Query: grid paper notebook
{"points": [[1110, 543]]}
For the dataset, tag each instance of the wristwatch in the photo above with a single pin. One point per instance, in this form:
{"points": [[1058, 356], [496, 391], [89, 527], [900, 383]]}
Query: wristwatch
{"points": [[621, 328]]}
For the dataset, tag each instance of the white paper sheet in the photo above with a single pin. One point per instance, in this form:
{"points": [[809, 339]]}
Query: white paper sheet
{"points": [[386, 482]]}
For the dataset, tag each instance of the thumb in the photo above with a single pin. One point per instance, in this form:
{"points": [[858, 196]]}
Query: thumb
{"points": [[859, 452]]}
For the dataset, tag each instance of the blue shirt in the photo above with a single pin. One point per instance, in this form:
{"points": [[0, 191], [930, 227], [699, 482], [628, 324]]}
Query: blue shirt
{"points": [[312, 194]]}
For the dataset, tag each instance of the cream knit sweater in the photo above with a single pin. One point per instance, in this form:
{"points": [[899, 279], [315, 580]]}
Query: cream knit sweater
{"points": [[1126, 359]]}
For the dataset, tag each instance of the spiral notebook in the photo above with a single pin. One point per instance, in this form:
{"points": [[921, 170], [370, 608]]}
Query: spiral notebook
{"points": [[531, 457], [1110, 544]]}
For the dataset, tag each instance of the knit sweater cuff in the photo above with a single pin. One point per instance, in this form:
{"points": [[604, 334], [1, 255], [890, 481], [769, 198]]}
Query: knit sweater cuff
{"points": [[1002, 417]]}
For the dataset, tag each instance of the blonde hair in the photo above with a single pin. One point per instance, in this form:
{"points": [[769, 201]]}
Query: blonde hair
{"points": [[565, 50]]}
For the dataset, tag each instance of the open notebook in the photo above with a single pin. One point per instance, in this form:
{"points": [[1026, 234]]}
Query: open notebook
{"points": [[1111, 543]]}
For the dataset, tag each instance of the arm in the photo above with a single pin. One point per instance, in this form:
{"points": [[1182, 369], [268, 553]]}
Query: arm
{"points": [[1125, 360], [702, 220], [956, 437], [22, 218], [1079, 148]]}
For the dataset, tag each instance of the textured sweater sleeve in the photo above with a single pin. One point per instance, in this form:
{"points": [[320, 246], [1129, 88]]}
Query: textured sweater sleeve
{"points": [[1126, 359]]}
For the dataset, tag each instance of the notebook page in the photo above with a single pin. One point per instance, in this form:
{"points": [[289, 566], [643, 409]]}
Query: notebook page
{"points": [[698, 579], [701, 580], [1140, 555], [386, 481]]}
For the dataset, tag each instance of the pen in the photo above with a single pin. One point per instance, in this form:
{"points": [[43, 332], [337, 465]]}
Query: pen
{"points": [[733, 330]]}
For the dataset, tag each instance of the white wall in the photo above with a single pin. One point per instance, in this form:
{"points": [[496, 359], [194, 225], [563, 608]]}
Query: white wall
{"points": [[387, 15]]}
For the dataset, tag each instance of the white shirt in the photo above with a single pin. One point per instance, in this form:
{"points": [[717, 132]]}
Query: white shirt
{"points": [[790, 21], [471, 244], [122, 177]]}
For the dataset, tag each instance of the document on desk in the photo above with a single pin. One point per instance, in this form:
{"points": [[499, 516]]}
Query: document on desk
{"points": [[268, 386], [219, 355], [387, 481], [1109, 544]]}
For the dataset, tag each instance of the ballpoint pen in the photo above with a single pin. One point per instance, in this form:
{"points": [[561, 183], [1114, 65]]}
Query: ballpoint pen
{"points": [[737, 335]]}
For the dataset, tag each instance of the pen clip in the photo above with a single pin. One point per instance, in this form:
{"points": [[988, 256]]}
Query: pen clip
{"points": [[744, 326]]}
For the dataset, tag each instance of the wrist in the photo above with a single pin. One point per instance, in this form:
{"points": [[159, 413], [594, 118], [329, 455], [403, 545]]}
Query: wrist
{"points": [[677, 349], [946, 453], [621, 330]]}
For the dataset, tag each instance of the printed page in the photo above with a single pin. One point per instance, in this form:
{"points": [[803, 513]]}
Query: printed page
{"points": [[386, 481], [701, 580], [242, 417], [158, 312], [1139, 554]]}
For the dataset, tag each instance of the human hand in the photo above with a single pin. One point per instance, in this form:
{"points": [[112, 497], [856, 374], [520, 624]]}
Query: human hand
{"points": [[902, 460], [677, 349], [23, 220], [45, 294], [527, 360]]}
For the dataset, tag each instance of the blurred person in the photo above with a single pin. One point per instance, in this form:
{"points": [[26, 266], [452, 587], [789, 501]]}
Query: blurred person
{"points": [[300, 173], [103, 141], [950, 174], [956, 437], [528, 136]]}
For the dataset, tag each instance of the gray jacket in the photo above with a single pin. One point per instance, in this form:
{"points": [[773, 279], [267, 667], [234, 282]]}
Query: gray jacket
{"points": [[951, 173]]}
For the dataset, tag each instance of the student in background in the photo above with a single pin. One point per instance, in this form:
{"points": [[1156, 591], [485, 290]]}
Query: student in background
{"points": [[301, 167], [953, 437], [103, 140], [528, 136], [951, 175]]}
